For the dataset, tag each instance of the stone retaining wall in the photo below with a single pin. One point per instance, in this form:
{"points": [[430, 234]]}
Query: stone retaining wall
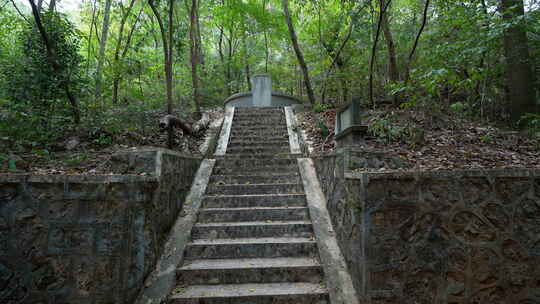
{"points": [[437, 237], [89, 239]]}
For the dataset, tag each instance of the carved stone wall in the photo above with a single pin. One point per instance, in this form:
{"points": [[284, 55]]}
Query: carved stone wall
{"points": [[87, 239], [438, 237]]}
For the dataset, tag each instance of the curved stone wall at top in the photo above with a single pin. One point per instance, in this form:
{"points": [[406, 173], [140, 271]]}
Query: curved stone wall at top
{"points": [[244, 99]]}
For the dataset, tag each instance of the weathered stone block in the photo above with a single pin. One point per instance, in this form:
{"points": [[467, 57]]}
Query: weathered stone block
{"points": [[439, 237]]}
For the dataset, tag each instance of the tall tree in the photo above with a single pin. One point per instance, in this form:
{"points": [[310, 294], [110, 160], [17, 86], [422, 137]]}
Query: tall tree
{"points": [[118, 53], [298, 51], [102, 46], [167, 41], [519, 76], [195, 55], [52, 58], [393, 72]]}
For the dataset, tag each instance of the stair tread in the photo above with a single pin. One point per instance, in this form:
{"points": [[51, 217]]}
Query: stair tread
{"points": [[240, 196], [256, 185], [250, 290], [254, 208], [265, 240], [248, 263], [252, 223]]}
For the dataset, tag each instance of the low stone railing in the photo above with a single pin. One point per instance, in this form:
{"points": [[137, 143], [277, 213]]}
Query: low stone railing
{"points": [[437, 237], [89, 238]]}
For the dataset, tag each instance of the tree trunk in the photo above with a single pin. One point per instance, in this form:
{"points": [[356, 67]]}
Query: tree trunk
{"points": [[299, 55], [53, 61], [90, 38], [393, 72], [374, 51], [170, 121], [411, 55], [266, 48], [116, 62], [102, 45], [52, 5], [519, 76], [195, 53], [246, 64], [167, 58]]}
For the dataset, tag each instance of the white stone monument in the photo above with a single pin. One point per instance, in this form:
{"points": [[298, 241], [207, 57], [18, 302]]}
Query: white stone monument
{"points": [[261, 90]]}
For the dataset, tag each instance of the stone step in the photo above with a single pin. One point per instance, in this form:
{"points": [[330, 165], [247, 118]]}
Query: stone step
{"points": [[252, 229], [259, 142], [254, 293], [259, 111], [260, 133], [259, 128], [237, 271], [256, 125], [255, 139], [259, 170], [249, 214], [257, 149], [272, 247], [239, 189], [261, 200], [272, 117], [239, 162], [254, 179], [250, 157]]}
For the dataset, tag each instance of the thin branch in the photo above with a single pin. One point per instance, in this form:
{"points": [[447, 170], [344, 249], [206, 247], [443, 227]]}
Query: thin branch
{"points": [[18, 11], [424, 21], [373, 51]]}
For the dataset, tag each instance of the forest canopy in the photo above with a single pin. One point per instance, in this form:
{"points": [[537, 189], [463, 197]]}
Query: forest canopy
{"points": [[89, 65]]}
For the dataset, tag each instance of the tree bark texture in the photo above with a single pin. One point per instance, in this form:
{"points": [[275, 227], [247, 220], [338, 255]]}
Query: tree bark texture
{"points": [[167, 58], [393, 72], [298, 51], [374, 51], [519, 76], [102, 47], [195, 55], [413, 50], [116, 61]]}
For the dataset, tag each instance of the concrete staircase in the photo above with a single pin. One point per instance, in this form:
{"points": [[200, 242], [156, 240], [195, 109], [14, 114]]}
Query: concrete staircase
{"points": [[253, 241]]}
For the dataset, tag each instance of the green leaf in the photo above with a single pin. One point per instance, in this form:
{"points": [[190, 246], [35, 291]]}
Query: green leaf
{"points": [[12, 165]]}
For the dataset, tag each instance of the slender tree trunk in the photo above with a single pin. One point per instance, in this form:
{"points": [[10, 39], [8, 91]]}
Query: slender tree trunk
{"points": [[229, 62], [299, 55], [102, 46], [195, 53], [519, 76], [116, 62], [374, 51], [393, 71], [200, 50], [52, 5], [222, 59], [246, 65], [266, 48], [53, 61], [167, 58], [411, 55], [90, 38]]}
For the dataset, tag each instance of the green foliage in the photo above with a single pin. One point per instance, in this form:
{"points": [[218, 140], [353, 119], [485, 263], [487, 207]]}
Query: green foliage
{"points": [[532, 122], [37, 106], [386, 131], [322, 129], [34, 81], [11, 162], [320, 107]]}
